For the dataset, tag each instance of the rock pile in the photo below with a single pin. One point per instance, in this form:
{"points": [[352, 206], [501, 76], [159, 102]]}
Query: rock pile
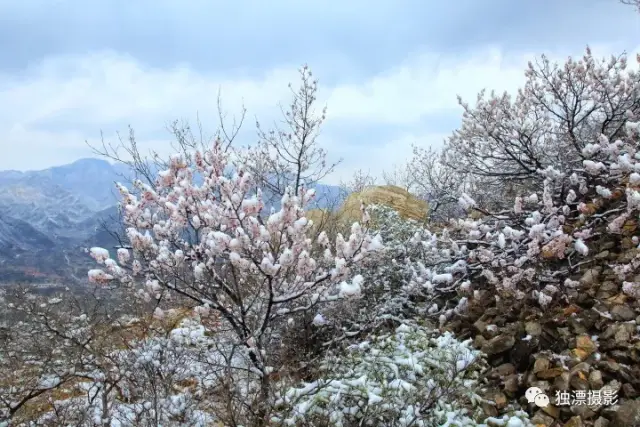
{"points": [[587, 345]]}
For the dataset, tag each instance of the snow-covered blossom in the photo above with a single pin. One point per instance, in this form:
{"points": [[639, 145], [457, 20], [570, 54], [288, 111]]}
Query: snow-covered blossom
{"points": [[351, 289], [99, 254], [615, 226], [319, 320], [466, 202], [123, 255], [593, 168], [99, 276], [543, 299], [517, 208], [581, 247], [632, 289], [633, 199], [604, 192]]}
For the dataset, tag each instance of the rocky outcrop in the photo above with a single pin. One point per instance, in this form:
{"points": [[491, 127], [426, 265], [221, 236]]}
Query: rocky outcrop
{"points": [[396, 198], [588, 341], [403, 202]]}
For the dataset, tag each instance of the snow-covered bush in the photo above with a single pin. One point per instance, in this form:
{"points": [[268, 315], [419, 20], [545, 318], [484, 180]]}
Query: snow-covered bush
{"points": [[66, 361], [49, 343], [64, 366], [161, 379], [388, 296], [409, 377]]}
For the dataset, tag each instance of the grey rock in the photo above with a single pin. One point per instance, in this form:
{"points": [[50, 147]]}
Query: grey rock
{"points": [[627, 415], [601, 422], [595, 380], [623, 312], [498, 344], [533, 328]]}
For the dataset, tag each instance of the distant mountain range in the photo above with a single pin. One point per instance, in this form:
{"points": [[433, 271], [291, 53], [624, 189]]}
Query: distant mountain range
{"points": [[47, 217]]}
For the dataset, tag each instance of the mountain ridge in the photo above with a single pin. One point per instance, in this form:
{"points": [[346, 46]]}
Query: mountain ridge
{"points": [[48, 216]]}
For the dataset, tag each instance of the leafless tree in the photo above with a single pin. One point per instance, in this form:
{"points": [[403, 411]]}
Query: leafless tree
{"points": [[635, 3], [359, 181], [53, 342], [290, 156], [399, 176], [437, 183]]}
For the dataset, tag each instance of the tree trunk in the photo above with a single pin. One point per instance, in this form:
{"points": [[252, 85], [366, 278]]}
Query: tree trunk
{"points": [[262, 415]]}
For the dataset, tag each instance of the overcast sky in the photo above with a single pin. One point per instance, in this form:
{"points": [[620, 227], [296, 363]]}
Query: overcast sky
{"points": [[389, 70]]}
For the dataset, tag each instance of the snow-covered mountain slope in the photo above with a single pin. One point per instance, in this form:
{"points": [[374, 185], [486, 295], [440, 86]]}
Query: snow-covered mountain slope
{"points": [[48, 216]]}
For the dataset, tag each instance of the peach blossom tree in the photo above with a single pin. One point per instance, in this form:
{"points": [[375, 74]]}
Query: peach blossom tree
{"points": [[568, 147], [213, 245], [506, 140]]}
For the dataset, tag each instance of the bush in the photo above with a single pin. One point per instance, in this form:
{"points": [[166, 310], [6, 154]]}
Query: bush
{"points": [[410, 377]]}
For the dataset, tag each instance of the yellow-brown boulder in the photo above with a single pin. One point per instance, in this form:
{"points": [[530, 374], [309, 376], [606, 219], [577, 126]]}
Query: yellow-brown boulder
{"points": [[406, 204]]}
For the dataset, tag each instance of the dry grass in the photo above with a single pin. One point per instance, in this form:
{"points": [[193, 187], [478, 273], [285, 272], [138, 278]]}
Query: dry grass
{"points": [[41, 405], [406, 204]]}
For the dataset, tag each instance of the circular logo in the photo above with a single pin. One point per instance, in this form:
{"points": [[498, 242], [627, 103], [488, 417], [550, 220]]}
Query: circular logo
{"points": [[536, 396]]}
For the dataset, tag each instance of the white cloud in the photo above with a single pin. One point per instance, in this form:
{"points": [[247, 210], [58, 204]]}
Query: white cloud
{"points": [[384, 157], [48, 113], [107, 87], [425, 84], [429, 83]]}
